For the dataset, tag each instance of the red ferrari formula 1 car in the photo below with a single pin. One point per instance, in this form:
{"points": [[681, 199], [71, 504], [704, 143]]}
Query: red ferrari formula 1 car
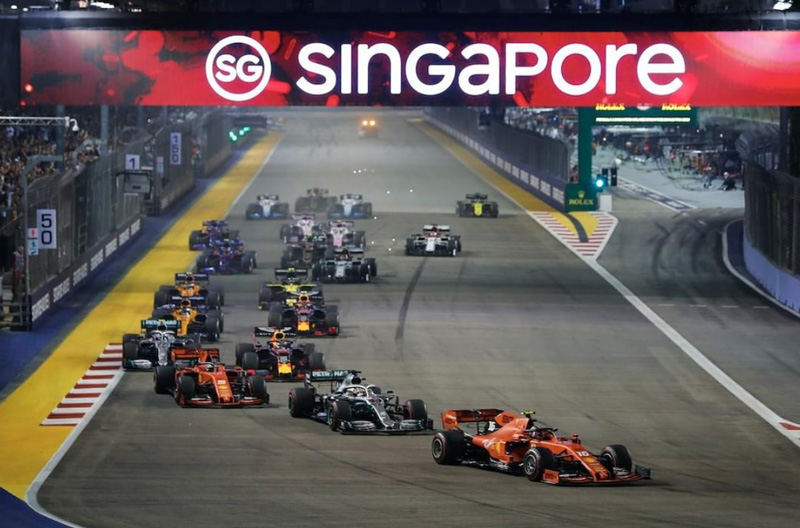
{"points": [[210, 384], [514, 443]]}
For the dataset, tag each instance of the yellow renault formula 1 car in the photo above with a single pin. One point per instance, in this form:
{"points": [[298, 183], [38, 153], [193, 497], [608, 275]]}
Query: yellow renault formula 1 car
{"points": [[288, 283]]}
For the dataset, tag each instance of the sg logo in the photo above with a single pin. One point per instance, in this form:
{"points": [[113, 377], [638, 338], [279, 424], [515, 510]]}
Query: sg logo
{"points": [[223, 68]]}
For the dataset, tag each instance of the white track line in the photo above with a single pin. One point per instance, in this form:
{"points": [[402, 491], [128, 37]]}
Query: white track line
{"points": [[672, 334], [31, 496]]}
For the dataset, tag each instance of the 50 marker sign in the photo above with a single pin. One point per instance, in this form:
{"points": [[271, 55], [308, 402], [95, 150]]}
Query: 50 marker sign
{"points": [[46, 220]]}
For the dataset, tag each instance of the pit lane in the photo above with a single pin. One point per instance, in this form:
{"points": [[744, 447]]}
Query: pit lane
{"points": [[516, 321]]}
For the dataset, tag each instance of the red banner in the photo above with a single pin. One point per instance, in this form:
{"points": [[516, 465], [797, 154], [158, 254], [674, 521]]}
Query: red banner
{"points": [[269, 68]]}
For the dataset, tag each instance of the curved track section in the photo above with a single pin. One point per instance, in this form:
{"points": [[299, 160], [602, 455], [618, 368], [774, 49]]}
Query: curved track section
{"points": [[516, 321]]}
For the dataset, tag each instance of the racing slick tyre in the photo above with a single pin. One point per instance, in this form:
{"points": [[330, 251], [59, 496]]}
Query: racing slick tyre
{"points": [[316, 361], [248, 264], [242, 349], [275, 318], [360, 239], [332, 320], [448, 447], [258, 388], [212, 328], [536, 461], [301, 402], [365, 273], [220, 317], [415, 410], [367, 210], [195, 238], [373, 266], [330, 253], [160, 298], [164, 379], [286, 229], [264, 296], [316, 272], [460, 208], [338, 413], [187, 388], [250, 361], [130, 353], [254, 212], [409, 246], [214, 299], [336, 210], [301, 205], [282, 209], [617, 456], [127, 338]]}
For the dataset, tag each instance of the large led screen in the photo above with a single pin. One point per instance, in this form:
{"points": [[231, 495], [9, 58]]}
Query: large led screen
{"points": [[271, 68]]}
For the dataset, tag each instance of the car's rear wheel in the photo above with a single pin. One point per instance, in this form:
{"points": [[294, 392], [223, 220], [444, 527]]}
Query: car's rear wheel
{"points": [[301, 402], [250, 361], [618, 456], [212, 328], [316, 361], [536, 461], [214, 299], [242, 349], [448, 447], [275, 318]]}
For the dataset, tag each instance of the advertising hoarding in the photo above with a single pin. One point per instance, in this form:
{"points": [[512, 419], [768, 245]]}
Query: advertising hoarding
{"points": [[271, 68]]}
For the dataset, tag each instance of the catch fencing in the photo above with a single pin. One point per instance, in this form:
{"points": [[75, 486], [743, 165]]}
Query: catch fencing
{"points": [[536, 163]]}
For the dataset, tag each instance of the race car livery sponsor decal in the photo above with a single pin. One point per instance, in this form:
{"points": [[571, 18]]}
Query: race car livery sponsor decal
{"points": [[79, 274], [97, 259]]}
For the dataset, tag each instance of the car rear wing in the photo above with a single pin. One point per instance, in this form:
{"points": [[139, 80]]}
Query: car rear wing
{"points": [[328, 375], [196, 277], [268, 197], [451, 419], [269, 331], [351, 196], [316, 190], [281, 273], [304, 216], [153, 324], [444, 229], [349, 224], [211, 354], [477, 196], [195, 300], [215, 223]]}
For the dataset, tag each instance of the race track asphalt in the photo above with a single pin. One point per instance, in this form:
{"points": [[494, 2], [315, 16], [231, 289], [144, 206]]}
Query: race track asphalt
{"points": [[516, 321]]}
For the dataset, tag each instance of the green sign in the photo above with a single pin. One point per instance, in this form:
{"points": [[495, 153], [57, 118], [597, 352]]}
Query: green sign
{"points": [[578, 198]]}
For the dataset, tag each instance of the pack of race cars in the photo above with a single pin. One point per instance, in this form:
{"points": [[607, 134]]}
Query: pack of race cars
{"points": [[187, 315]]}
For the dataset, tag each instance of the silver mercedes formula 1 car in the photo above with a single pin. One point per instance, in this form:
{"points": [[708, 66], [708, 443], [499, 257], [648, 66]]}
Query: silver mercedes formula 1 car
{"points": [[354, 407]]}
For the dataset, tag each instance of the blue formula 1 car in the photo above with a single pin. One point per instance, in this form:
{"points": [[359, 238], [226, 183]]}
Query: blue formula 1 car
{"points": [[212, 230], [267, 207], [226, 257], [350, 206]]}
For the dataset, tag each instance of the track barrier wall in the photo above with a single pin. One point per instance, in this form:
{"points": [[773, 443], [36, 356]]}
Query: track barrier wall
{"points": [[95, 216], [536, 163], [772, 232]]}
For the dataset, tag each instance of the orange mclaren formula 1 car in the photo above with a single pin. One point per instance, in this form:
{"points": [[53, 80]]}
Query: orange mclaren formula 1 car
{"points": [[514, 443], [207, 383]]}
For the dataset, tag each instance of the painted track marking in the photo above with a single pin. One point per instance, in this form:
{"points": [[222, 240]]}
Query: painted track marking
{"points": [[739, 392]]}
